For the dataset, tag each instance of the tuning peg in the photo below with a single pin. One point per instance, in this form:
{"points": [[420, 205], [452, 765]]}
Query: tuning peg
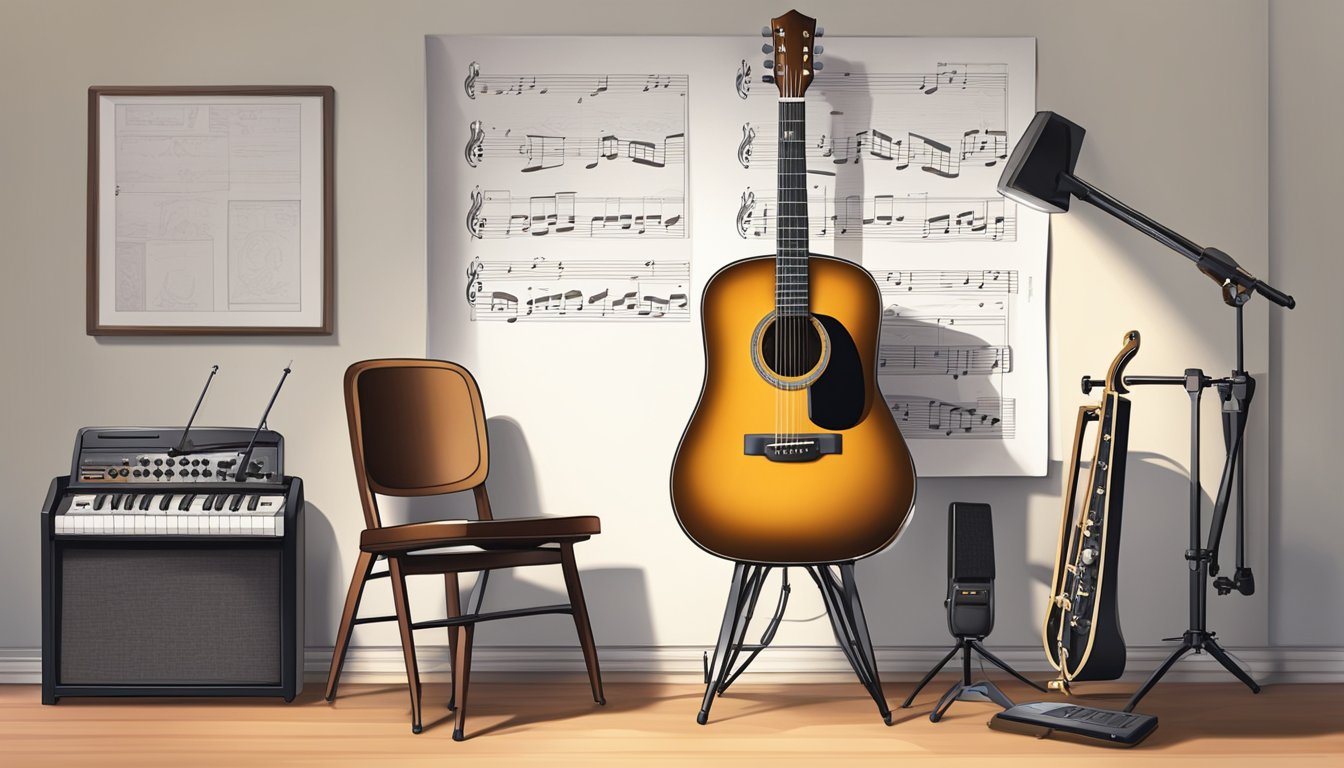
{"points": [[765, 31], [768, 64], [820, 31], [817, 65], [767, 79], [818, 50], [767, 49]]}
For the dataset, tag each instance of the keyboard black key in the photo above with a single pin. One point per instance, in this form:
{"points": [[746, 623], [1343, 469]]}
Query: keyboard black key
{"points": [[99, 500], [209, 502], [129, 502], [144, 501], [186, 502], [219, 501], [116, 501], [253, 502], [165, 501], [236, 503]]}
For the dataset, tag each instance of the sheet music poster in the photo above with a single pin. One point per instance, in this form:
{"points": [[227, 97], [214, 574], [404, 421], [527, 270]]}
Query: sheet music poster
{"points": [[583, 190]]}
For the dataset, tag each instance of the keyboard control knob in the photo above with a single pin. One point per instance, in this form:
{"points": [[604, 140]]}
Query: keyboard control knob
{"points": [[195, 473], [158, 462], [158, 473], [169, 473]]}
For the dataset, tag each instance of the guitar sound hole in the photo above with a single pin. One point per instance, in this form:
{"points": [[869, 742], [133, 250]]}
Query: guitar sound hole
{"points": [[791, 346]]}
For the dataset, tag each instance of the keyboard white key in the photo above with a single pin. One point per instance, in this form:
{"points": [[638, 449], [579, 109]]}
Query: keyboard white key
{"points": [[84, 516]]}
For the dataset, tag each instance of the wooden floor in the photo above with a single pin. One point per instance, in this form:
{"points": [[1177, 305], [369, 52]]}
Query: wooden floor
{"points": [[556, 724]]}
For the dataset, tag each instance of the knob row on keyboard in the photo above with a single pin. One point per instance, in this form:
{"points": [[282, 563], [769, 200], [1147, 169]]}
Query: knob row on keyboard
{"points": [[170, 525]]}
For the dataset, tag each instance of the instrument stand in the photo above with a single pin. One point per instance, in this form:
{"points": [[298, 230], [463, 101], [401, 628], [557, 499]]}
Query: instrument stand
{"points": [[1236, 392], [965, 690], [841, 596]]}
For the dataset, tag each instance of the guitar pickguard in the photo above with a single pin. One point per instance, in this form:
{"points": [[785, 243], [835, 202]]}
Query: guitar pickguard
{"points": [[838, 398]]}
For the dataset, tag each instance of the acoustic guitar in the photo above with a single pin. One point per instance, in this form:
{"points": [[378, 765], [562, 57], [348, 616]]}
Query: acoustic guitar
{"points": [[791, 455]]}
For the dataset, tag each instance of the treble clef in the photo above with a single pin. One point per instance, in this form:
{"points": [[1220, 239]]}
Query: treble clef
{"points": [[476, 222], [743, 79], [473, 72], [744, 212], [475, 152], [473, 280], [744, 149]]}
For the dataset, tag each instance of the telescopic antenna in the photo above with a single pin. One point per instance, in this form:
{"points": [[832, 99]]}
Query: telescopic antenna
{"points": [[240, 474], [182, 444]]}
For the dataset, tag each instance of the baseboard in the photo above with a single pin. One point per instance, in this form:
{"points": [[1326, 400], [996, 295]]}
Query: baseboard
{"points": [[683, 664]]}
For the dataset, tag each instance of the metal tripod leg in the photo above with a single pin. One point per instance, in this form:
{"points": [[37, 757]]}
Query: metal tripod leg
{"points": [[726, 632], [1156, 676], [851, 629], [1216, 651], [932, 673], [996, 661]]}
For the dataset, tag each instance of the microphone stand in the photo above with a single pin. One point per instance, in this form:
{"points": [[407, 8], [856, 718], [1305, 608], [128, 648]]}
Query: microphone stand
{"points": [[1235, 392]]}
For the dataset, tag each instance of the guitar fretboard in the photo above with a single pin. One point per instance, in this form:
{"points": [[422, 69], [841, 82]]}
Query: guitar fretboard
{"points": [[791, 280]]}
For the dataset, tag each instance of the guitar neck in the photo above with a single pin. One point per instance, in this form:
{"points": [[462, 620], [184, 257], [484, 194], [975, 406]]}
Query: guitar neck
{"points": [[791, 220]]}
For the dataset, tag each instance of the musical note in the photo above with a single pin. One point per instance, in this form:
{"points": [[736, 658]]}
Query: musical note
{"points": [[475, 222], [915, 217], [948, 360], [473, 72], [744, 212], [972, 281], [932, 418], [744, 148], [928, 154], [544, 152], [538, 85], [744, 79], [474, 151], [497, 214]]}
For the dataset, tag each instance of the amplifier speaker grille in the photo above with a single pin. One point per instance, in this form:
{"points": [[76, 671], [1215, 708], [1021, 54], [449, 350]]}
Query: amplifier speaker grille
{"points": [[170, 616]]}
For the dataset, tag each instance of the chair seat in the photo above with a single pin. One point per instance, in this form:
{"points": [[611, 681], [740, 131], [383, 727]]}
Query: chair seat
{"points": [[514, 532]]}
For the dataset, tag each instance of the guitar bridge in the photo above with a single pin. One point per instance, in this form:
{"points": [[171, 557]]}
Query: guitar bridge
{"points": [[792, 448]]}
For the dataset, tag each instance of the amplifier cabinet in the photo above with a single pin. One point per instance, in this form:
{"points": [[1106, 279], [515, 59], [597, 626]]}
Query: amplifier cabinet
{"points": [[172, 615]]}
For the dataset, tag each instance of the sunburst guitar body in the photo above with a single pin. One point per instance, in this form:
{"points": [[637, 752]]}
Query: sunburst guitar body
{"points": [[792, 455]]}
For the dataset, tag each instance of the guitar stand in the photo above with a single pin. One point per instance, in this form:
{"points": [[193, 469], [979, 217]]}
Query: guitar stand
{"points": [[841, 596], [965, 690], [1235, 392]]}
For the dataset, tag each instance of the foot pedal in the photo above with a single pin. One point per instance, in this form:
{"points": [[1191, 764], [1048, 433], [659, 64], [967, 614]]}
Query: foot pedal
{"points": [[1070, 722]]}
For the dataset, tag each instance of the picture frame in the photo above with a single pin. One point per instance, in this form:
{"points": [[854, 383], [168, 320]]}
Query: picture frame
{"points": [[211, 210]]}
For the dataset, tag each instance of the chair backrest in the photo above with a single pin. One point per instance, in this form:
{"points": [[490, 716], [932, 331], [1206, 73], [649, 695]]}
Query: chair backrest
{"points": [[417, 428]]}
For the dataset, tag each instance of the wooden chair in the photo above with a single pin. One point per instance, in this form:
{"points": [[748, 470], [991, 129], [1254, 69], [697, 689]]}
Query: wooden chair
{"points": [[417, 428]]}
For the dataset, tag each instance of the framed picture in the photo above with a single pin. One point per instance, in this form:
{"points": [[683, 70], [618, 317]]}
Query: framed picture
{"points": [[210, 210]]}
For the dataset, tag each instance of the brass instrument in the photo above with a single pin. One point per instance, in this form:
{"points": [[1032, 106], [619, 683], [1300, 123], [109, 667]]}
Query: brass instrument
{"points": [[1082, 624]]}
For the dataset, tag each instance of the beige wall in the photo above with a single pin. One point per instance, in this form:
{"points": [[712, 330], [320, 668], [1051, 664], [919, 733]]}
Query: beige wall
{"points": [[1307, 570], [1179, 122]]}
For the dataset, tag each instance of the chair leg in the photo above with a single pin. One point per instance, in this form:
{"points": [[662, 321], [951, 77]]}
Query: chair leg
{"points": [[407, 640], [462, 677], [454, 599], [363, 567], [580, 611]]}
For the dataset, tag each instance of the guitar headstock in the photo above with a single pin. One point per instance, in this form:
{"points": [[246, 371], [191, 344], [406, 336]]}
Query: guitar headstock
{"points": [[793, 43]]}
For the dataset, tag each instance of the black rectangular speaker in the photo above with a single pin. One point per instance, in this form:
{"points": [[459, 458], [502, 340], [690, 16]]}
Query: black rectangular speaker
{"points": [[970, 570], [173, 614], [170, 616]]}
